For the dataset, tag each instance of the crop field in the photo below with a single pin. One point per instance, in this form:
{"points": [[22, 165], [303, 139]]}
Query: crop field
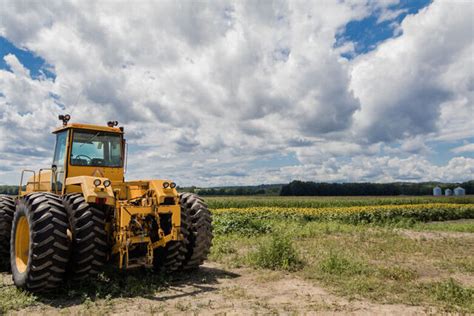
{"points": [[299, 255]]}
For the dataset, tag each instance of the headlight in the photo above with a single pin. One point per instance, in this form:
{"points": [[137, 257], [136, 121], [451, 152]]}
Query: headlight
{"points": [[107, 183], [97, 182], [172, 185], [166, 185]]}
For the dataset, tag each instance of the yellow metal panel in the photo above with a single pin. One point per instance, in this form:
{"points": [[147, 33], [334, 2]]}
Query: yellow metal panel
{"points": [[39, 182], [113, 174], [133, 210], [161, 193], [90, 191], [139, 240]]}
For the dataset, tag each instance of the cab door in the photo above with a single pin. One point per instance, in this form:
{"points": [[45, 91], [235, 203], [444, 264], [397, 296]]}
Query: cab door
{"points": [[59, 161]]}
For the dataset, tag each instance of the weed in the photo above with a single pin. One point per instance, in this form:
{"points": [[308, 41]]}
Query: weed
{"points": [[235, 292], [337, 264], [12, 298], [182, 307], [221, 247], [396, 273], [276, 253]]}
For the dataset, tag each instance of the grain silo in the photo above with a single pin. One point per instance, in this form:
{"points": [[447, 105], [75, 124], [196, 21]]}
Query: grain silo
{"points": [[459, 191], [437, 191], [448, 192]]}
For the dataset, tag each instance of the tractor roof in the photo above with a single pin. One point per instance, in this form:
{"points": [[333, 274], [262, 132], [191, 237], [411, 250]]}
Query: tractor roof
{"points": [[90, 127]]}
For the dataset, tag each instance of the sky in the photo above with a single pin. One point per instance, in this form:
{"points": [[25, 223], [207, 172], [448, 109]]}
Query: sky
{"points": [[214, 93]]}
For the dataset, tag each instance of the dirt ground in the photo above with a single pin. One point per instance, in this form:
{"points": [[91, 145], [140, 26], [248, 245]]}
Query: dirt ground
{"points": [[218, 291]]}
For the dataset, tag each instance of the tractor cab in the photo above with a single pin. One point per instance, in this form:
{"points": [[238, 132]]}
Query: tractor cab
{"points": [[81, 150]]}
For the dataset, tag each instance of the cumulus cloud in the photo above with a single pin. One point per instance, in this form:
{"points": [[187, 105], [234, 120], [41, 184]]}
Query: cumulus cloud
{"points": [[384, 169], [405, 84], [214, 93]]}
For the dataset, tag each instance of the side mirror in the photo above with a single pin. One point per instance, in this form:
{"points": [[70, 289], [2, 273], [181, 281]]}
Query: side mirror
{"points": [[54, 168]]}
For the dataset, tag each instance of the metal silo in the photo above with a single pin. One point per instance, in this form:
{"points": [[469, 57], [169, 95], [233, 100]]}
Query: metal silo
{"points": [[437, 191], [448, 192], [459, 191]]}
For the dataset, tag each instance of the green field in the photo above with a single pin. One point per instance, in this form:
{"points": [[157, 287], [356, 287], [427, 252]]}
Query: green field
{"points": [[414, 251], [387, 250], [329, 201]]}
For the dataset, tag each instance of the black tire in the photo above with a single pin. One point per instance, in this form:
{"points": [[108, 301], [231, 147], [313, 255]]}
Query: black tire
{"points": [[199, 223], [7, 210], [171, 257], [47, 256], [88, 244]]}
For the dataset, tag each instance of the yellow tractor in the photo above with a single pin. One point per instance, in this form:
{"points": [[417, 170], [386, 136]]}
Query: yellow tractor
{"points": [[69, 220]]}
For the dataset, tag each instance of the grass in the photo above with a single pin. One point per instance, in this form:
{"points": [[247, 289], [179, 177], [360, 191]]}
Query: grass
{"points": [[337, 264], [359, 258], [453, 294], [464, 226], [11, 298], [109, 285], [371, 261]]}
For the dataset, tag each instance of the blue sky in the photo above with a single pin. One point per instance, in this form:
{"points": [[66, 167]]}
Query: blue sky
{"points": [[34, 63], [209, 104], [368, 32]]}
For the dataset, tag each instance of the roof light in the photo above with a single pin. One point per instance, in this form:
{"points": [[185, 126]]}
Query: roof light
{"points": [[97, 182], [166, 185], [64, 118]]}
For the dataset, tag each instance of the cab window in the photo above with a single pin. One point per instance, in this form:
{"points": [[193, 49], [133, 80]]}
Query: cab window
{"points": [[92, 148], [59, 160]]}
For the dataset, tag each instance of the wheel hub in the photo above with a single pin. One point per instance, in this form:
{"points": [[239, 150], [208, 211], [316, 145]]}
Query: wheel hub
{"points": [[22, 244]]}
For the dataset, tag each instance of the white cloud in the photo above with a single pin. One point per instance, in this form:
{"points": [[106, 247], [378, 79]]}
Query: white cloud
{"points": [[209, 92], [408, 84], [464, 149], [383, 169]]}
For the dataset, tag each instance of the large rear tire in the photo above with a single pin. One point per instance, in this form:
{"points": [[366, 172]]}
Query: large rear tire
{"points": [[89, 243], [7, 210], [171, 257], [199, 223], [39, 246], [196, 228]]}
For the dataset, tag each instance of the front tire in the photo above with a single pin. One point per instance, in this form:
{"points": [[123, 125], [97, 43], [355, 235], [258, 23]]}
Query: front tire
{"points": [[39, 244], [89, 240]]}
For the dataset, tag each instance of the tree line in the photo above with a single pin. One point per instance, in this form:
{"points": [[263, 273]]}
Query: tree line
{"points": [[9, 189], [343, 189], [314, 188], [272, 189]]}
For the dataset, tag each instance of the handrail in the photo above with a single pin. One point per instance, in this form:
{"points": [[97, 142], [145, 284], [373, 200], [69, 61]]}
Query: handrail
{"points": [[21, 179]]}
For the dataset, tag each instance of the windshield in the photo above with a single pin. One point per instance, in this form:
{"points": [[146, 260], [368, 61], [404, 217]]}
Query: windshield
{"points": [[96, 149]]}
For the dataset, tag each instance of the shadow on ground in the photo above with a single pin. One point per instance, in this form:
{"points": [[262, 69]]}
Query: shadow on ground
{"points": [[136, 283]]}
